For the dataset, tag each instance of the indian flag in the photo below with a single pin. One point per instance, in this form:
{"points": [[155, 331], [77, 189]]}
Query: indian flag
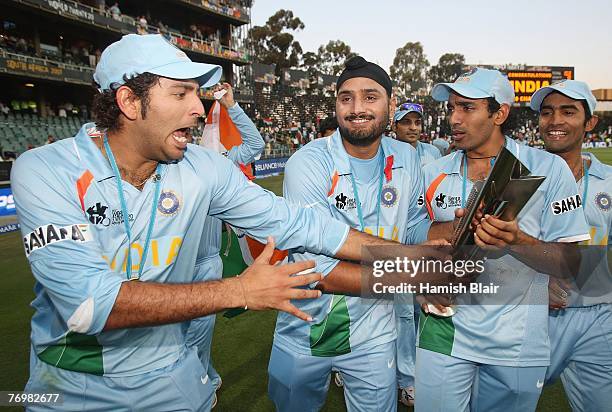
{"points": [[221, 134]]}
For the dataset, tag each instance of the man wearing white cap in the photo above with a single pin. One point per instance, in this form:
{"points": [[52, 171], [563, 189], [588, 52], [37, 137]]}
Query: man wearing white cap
{"points": [[112, 220], [581, 326], [494, 356]]}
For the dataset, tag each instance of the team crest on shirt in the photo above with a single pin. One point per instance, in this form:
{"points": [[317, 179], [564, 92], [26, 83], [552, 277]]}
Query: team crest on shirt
{"points": [[602, 200], [169, 203], [389, 196], [343, 202]]}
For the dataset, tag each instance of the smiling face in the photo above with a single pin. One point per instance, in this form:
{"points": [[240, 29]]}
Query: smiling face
{"points": [[563, 123], [362, 109], [409, 128], [174, 106], [471, 123]]}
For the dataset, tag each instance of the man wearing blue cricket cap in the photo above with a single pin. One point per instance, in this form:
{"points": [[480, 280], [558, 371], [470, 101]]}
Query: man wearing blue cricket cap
{"points": [[580, 327], [112, 223], [491, 356], [408, 126]]}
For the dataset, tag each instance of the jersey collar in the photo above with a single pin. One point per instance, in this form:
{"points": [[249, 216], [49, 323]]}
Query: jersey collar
{"points": [[89, 154]]}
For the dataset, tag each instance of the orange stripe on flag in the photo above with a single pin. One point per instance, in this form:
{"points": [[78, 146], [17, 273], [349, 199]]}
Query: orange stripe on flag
{"points": [[82, 185], [334, 181], [256, 248], [430, 192]]}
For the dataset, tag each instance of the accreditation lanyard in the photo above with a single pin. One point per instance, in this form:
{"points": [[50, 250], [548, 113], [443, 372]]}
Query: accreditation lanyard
{"points": [[464, 162], [585, 188], [379, 199], [124, 211]]}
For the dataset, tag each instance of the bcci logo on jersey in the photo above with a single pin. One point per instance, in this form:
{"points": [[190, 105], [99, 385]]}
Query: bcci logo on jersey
{"points": [[389, 196], [169, 203], [602, 200]]}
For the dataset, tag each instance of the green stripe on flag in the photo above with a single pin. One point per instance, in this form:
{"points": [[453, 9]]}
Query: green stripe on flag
{"points": [[76, 352], [233, 263], [331, 336], [436, 333]]}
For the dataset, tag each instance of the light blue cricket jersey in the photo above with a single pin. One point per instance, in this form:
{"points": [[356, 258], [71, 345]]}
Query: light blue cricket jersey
{"points": [[68, 206], [596, 205], [427, 153], [507, 334], [318, 176], [210, 266]]}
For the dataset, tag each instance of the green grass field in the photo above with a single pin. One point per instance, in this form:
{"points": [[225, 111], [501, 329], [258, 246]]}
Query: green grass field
{"points": [[241, 345]]}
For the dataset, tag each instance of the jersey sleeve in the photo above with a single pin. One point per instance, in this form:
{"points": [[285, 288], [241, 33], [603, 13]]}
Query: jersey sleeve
{"points": [[252, 142], [305, 184], [65, 256], [260, 213], [558, 224]]}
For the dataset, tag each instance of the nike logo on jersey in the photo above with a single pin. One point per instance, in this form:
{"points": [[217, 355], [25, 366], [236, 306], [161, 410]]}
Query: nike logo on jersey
{"points": [[390, 363], [539, 384]]}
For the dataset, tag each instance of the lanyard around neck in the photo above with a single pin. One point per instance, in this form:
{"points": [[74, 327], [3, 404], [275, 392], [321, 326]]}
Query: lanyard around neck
{"points": [[126, 219], [585, 190], [379, 199]]}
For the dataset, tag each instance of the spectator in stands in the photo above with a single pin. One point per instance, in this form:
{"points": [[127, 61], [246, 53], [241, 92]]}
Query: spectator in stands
{"points": [[101, 6], [115, 11], [50, 139], [141, 25], [327, 126], [4, 109]]}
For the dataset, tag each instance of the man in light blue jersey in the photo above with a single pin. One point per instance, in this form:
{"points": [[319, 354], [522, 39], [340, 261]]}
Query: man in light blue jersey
{"points": [[372, 183], [112, 223], [493, 356], [581, 331], [408, 127], [209, 265]]}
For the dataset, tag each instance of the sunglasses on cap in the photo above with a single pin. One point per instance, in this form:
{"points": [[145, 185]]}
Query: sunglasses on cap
{"points": [[412, 107]]}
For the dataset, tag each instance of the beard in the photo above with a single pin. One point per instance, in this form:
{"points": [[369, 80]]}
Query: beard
{"points": [[366, 136]]}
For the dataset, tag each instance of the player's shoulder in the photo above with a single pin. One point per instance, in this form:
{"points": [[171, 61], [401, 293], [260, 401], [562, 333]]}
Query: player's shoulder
{"points": [[58, 159], [312, 154], [445, 164], [197, 157]]}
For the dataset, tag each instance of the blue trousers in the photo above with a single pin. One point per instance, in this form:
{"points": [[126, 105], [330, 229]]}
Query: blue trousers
{"points": [[300, 382]]}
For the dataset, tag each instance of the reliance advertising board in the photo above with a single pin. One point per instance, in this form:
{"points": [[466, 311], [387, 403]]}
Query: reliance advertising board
{"points": [[269, 167]]}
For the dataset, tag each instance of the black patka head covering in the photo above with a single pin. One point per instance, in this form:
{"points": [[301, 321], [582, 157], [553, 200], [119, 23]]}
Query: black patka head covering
{"points": [[360, 67]]}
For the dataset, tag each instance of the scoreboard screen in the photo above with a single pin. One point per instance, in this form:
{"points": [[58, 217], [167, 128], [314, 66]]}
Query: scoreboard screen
{"points": [[527, 79]]}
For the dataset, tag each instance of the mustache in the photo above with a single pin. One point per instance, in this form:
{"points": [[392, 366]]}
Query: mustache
{"points": [[360, 117]]}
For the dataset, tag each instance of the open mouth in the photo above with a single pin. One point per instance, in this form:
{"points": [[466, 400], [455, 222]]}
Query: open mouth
{"points": [[180, 136], [457, 134], [556, 134], [359, 120]]}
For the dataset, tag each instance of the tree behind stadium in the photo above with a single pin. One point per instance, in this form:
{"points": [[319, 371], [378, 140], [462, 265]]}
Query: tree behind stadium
{"points": [[273, 44]]}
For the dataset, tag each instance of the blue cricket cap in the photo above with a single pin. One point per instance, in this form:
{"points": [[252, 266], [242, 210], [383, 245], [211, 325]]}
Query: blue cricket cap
{"points": [[406, 108], [573, 89], [477, 83], [135, 54]]}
